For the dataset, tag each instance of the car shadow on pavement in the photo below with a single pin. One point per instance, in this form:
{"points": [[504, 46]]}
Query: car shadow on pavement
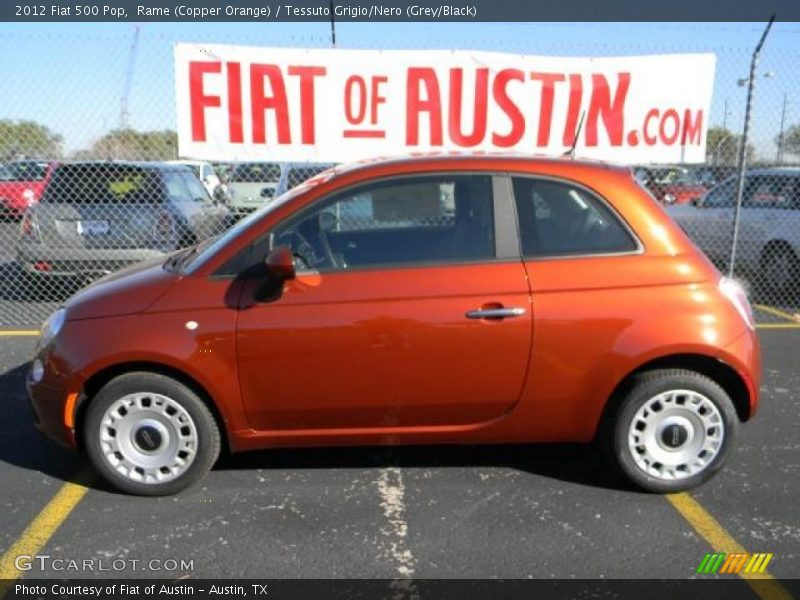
{"points": [[582, 464], [21, 444], [24, 447]]}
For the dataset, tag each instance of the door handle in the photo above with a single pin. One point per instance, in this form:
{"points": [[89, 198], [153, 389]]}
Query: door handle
{"points": [[495, 313]]}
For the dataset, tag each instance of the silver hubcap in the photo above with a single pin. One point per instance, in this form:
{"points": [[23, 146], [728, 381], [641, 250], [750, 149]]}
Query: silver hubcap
{"points": [[148, 438], [676, 434]]}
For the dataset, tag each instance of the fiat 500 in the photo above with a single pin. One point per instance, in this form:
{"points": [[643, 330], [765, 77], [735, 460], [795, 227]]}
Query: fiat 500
{"points": [[457, 300]]}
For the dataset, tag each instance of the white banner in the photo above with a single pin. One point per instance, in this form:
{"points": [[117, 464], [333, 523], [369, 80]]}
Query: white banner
{"points": [[241, 103]]}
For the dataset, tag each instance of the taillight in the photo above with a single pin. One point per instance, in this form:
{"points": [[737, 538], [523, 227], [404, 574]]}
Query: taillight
{"points": [[735, 293], [165, 225], [28, 227]]}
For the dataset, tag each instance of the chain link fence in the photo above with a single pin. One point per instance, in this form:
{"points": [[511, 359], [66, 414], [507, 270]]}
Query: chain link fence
{"points": [[90, 178]]}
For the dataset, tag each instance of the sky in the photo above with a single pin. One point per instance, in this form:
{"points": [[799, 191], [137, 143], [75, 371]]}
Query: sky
{"points": [[70, 76]]}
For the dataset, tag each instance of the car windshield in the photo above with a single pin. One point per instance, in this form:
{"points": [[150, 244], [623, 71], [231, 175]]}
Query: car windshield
{"points": [[5, 174], [256, 173], [103, 183], [26, 170]]}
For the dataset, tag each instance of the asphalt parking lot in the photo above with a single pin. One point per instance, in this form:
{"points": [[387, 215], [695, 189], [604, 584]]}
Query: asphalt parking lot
{"points": [[462, 512]]}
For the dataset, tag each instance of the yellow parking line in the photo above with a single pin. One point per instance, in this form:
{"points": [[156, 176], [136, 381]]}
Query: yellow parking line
{"points": [[777, 325], [778, 313], [764, 584], [42, 528], [18, 332]]}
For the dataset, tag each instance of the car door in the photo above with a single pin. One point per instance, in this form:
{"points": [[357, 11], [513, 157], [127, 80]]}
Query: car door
{"points": [[766, 206], [710, 224], [410, 308]]}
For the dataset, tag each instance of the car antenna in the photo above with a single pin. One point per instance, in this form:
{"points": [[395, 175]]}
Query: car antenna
{"points": [[571, 151]]}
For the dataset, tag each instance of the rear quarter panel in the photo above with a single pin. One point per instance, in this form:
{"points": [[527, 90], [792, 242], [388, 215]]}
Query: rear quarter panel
{"points": [[597, 319]]}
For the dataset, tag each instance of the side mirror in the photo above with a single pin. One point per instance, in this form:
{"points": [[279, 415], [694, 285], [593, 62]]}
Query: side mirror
{"points": [[280, 263]]}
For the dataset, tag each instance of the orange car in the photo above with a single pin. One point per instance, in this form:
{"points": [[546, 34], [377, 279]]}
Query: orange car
{"points": [[471, 299]]}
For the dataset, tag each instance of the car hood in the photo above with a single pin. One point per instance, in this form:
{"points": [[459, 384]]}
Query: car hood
{"points": [[123, 292], [249, 193]]}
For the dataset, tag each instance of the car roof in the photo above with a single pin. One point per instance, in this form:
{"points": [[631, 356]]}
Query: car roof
{"points": [[790, 171], [474, 159], [153, 166], [181, 161]]}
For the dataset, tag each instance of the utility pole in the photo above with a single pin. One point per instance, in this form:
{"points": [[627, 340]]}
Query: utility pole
{"points": [[751, 85], [124, 115], [779, 156], [725, 116]]}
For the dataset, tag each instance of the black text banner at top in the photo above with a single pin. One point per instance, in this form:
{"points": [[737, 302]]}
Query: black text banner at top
{"points": [[397, 10]]}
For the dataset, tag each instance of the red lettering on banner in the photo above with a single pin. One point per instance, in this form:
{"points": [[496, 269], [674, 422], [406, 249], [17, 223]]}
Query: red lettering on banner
{"points": [[355, 82], [549, 81], [307, 75], [235, 126], [198, 100], [692, 129], [612, 112], [649, 138], [377, 98], [260, 103], [670, 116], [416, 78], [478, 130], [500, 94]]}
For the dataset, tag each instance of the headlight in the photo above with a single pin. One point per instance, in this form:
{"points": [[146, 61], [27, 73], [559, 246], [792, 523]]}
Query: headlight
{"points": [[669, 198], [29, 196], [52, 326]]}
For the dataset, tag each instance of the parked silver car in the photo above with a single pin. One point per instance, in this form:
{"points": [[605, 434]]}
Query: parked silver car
{"points": [[249, 185], [293, 174], [96, 217], [769, 226]]}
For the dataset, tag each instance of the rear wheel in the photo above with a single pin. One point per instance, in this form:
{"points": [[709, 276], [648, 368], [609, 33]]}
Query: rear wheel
{"points": [[149, 434], [673, 430], [780, 270]]}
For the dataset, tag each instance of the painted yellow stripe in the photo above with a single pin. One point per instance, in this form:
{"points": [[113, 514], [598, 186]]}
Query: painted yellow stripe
{"points": [[763, 584], [42, 528], [18, 332], [778, 326], [778, 313]]}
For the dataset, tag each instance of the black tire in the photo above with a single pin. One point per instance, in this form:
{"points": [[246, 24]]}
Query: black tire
{"points": [[646, 387], [779, 258], [208, 435]]}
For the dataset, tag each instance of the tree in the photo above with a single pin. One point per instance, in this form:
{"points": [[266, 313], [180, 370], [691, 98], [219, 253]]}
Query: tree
{"points": [[722, 147], [28, 139], [791, 140], [129, 144]]}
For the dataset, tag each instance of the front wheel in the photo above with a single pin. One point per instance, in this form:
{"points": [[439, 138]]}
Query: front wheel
{"points": [[673, 430], [149, 434]]}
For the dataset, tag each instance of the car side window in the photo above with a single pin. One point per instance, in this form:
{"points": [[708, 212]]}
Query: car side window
{"points": [[195, 189], [561, 219], [419, 220], [722, 196], [770, 191]]}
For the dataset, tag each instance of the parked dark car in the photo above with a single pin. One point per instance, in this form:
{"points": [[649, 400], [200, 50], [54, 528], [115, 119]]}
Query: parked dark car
{"points": [[96, 217]]}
